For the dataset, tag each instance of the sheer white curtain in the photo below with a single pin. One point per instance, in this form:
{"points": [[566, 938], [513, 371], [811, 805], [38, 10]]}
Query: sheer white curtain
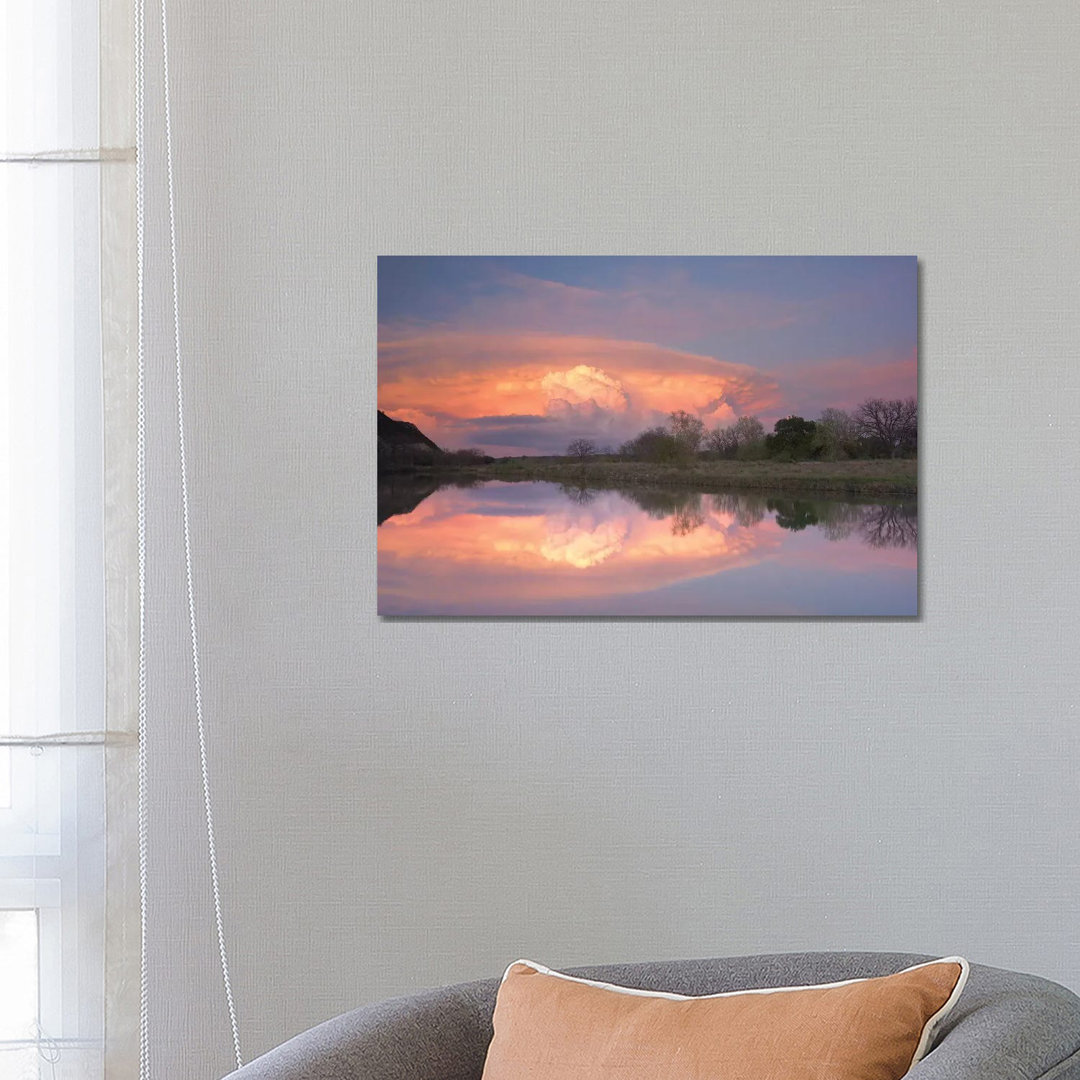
{"points": [[56, 207]]}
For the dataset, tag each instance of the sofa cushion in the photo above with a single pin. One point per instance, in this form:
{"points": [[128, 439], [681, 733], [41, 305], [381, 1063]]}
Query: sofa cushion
{"points": [[552, 1026]]}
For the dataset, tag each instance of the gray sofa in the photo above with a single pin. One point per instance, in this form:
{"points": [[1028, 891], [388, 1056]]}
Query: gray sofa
{"points": [[1006, 1026]]}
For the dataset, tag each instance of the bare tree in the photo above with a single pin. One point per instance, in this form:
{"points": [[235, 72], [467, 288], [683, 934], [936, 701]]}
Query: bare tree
{"points": [[687, 429], [837, 433], [655, 444], [722, 442], [838, 423], [893, 423], [581, 449], [725, 442], [748, 429]]}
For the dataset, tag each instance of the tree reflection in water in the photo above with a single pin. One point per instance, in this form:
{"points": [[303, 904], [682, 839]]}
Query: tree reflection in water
{"points": [[895, 525], [683, 507], [748, 510], [579, 496], [879, 525], [794, 514], [688, 518]]}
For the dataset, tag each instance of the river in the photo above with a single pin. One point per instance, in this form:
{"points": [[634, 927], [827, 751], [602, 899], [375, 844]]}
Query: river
{"points": [[534, 548]]}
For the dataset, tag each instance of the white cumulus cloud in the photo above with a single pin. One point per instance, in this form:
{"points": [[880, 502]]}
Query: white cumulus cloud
{"points": [[583, 385]]}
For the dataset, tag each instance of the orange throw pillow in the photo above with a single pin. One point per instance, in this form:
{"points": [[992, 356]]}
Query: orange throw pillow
{"points": [[550, 1026]]}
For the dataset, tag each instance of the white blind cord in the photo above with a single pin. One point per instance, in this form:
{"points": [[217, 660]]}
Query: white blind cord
{"points": [[181, 445], [197, 680], [140, 199], [140, 455]]}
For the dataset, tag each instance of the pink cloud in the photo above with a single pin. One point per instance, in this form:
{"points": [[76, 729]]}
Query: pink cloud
{"points": [[607, 388]]}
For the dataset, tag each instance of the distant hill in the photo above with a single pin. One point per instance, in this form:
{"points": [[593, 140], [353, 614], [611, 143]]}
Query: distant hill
{"points": [[402, 444]]}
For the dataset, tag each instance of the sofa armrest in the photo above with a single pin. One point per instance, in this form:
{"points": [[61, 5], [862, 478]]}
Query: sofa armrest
{"points": [[1007, 1026], [441, 1034]]}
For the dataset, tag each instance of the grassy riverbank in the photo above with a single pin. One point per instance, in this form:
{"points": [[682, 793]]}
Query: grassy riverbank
{"points": [[874, 477]]}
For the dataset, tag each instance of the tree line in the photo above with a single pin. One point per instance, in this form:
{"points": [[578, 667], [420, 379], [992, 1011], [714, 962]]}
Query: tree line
{"points": [[876, 428]]}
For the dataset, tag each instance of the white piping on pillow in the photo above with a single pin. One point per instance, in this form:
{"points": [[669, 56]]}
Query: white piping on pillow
{"points": [[928, 1030]]}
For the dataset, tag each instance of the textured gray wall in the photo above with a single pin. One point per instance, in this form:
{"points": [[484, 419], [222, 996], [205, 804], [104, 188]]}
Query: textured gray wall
{"points": [[405, 804]]}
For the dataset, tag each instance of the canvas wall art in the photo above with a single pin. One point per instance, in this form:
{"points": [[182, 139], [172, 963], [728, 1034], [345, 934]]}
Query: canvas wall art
{"points": [[647, 436]]}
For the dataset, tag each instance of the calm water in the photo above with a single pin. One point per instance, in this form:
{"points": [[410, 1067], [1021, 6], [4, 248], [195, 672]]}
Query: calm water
{"points": [[547, 549]]}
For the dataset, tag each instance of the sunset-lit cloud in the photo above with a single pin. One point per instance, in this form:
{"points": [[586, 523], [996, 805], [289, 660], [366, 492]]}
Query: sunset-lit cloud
{"points": [[583, 385], [523, 355], [540, 390]]}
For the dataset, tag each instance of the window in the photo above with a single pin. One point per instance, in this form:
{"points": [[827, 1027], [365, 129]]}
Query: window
{"points": [[52, 853]]}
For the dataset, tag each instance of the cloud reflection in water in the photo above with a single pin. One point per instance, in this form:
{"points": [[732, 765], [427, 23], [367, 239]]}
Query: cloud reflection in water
{"points": [[538, 548]]}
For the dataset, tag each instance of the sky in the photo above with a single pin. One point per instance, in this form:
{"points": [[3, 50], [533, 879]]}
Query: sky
{"points": [[522, 355]]}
